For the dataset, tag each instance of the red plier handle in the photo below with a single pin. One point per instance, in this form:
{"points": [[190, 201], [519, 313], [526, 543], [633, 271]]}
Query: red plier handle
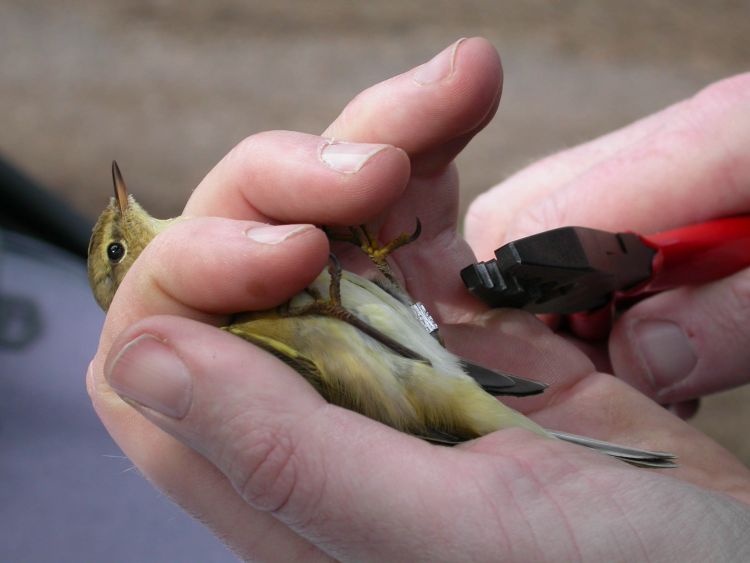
{"points": [[690, 255], [698, 253]]}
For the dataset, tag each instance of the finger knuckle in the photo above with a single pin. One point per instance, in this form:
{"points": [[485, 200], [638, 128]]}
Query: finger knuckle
{"points": [[249, 147], [245, 147], [550, 213], [261, 463]]}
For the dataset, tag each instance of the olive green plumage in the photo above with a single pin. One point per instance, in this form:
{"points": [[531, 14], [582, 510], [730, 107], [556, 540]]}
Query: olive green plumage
{"points": [[365, 350]]}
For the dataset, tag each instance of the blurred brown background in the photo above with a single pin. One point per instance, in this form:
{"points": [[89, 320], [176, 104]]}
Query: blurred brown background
{"points": [[167, 87]]}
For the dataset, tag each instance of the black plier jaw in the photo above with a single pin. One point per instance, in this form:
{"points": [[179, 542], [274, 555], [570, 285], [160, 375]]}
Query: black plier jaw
{"points": [[565, 270]]}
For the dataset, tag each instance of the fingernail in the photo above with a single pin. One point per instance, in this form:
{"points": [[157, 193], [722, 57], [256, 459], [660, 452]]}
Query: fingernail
{"points": [[148, 372], [665, 351], [439, 67], [348, 157], [275, 234]]}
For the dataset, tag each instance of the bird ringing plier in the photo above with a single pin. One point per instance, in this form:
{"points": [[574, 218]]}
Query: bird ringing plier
{"points": [[587, 273]]}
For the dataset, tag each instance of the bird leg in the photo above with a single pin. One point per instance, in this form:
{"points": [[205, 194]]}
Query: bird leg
{"points": [[332, 307]]}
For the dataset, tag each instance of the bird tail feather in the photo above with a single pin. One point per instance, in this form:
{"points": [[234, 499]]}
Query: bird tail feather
{"points": [[633, 456]]}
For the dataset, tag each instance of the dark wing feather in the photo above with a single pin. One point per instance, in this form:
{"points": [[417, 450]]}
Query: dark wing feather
{"points": [[499, 383]]}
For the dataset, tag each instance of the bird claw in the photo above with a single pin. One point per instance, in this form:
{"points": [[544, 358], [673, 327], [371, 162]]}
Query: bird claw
{"points": [[378, 253]]}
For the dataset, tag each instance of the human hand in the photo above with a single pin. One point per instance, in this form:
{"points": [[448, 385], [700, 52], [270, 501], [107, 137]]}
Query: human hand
{"points": [[243, 442], [687, 164]]}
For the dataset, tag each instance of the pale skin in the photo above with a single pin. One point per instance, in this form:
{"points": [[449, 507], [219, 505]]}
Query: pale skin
{"points": [[280, 475], [686, 164]]}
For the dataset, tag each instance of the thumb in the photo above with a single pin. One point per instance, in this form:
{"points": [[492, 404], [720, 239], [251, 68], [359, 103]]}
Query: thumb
{"points": [[351, 487], [686, 343]]}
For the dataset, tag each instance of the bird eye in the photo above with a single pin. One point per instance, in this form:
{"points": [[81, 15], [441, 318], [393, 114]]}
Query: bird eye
{"points": [[115, 252]]}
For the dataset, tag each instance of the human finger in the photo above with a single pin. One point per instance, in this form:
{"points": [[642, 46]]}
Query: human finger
{"points": [[431, 120], [184, 474], [686, 343], [208, 268], [431, 111], [273, 438], [284, 176], [679, 167]]}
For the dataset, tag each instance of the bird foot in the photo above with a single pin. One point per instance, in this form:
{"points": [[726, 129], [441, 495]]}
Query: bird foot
{"points": [[375, 250]]}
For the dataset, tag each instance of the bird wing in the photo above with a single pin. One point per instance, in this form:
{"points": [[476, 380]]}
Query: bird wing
{"points": [[501, 383], [287, 354]]}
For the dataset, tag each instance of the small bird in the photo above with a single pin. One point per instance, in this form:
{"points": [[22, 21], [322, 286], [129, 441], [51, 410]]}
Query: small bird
{"points": [[356, 341]]}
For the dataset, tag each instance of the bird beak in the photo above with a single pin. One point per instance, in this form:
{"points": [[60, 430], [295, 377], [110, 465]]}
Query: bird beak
{"points": [[121, 190]]}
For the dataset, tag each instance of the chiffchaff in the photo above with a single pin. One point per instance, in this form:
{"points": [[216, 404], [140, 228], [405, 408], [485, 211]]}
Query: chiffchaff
{"points": [[361, 346]]}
